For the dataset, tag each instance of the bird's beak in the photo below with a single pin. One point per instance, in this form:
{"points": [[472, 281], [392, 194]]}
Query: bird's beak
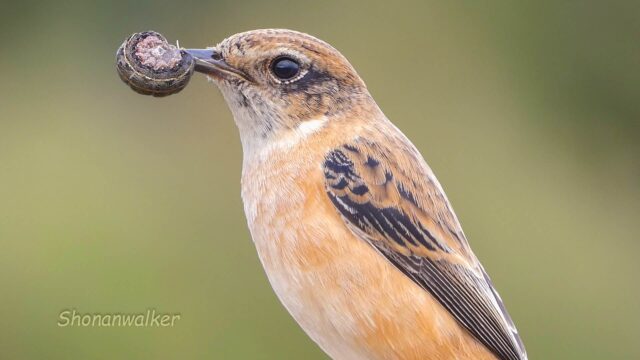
{"points": [[208, 62]]}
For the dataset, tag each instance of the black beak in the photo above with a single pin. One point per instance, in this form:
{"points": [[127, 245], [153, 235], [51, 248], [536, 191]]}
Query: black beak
{"points": [[210, 62]]}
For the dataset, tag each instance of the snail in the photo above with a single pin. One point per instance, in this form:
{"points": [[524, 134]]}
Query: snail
{"points": [[151, 66]]}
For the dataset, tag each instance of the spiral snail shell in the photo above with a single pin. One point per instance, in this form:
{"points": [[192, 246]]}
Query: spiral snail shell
{"points": [[151, 66]]}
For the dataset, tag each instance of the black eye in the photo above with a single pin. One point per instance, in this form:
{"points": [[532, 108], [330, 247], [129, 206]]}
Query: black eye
{"points": [[285, 68]]}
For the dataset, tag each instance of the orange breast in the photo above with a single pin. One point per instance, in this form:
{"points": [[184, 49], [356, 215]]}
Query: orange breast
{"points": [[348, 298]]}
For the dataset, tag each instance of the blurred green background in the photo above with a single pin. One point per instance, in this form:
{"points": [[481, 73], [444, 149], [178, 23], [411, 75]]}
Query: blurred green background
{"points": [[529, 113]]}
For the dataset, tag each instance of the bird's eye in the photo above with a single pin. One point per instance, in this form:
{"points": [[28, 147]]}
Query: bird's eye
{"points": [[285, 68]]}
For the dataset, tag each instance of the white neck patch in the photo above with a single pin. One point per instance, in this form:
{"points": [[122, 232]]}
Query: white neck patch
{"points": [[308, 127], [287, 140], [304, 130]]}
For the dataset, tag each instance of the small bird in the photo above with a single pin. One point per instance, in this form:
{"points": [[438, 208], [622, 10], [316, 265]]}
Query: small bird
{"points": [[355, 234]]}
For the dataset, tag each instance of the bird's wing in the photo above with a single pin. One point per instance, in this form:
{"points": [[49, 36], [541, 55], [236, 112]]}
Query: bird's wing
{"points": [[388, 196]]}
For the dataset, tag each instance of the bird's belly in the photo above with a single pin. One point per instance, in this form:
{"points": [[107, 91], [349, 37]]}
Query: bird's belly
{"points": [[347, 297]]}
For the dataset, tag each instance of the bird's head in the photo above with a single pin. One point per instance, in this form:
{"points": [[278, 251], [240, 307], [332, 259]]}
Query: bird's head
{"points": [[274, 81]]}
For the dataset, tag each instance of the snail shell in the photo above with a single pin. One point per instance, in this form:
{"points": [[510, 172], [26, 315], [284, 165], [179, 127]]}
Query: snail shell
{"points": [[151, 66]]}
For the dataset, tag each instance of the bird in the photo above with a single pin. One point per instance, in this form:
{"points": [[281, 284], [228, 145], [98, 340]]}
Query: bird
{"points": [[355, 233]]}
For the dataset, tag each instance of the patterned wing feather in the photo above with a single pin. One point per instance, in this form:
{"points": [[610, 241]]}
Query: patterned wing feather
{"points": [[390, 198]]}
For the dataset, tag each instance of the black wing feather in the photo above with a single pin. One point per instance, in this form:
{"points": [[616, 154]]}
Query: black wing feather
{"points": [[470, 298]]}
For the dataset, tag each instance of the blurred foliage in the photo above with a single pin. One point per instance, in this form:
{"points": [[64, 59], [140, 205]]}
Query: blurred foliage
{"points": [[529, 112]]}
